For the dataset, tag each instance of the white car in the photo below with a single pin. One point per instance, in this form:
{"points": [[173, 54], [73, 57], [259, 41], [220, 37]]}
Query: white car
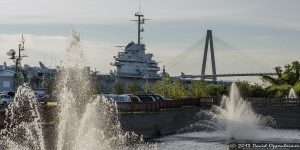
{"points": [[5, 99]]}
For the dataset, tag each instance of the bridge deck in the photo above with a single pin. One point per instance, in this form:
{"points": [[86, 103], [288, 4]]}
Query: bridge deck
{"points": [[226, 75]]}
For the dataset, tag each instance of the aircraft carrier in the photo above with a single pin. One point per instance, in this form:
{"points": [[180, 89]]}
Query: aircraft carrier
{"points": [[134, 64]]}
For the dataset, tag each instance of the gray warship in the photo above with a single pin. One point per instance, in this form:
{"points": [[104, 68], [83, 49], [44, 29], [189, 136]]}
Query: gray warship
{"points": [[134, 64]]}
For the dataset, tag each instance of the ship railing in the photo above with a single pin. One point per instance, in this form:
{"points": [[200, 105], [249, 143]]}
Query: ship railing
{"points": [[164, 105]]}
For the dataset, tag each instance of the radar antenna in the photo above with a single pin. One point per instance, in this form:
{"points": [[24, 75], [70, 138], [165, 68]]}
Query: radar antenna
{"points": [[141, 20], [17, 60]]}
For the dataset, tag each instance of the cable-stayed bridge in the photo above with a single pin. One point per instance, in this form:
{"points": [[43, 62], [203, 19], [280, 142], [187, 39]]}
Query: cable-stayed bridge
{"points": [[230, 61]]}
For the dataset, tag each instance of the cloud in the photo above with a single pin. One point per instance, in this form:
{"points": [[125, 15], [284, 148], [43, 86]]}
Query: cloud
{"points": [[176, 24], [259, 13], [51, 50]]}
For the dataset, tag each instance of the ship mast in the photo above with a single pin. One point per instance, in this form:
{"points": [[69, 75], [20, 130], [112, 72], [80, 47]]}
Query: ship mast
{"points": [[17, 59], [140, 21]]}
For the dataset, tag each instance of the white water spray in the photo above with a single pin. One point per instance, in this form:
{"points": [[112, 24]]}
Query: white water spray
{"points": [[234, 117], [85, 122], [23, 129], [292, 94]]}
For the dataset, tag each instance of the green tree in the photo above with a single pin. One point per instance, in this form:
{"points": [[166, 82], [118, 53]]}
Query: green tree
{"points": [[198, 89], [257, 90], [163, 87], [251, 90], [118, 88], [244, 87], [216, 90], [279, 91], [133, 87], [297, 88], [290, 75], [287, 77], [177, 90]]}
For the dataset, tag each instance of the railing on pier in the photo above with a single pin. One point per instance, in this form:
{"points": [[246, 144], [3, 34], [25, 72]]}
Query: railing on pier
{"points": [[164, 105], [284, 102]]}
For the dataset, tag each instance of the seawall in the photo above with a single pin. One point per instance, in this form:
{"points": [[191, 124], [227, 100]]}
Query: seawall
{"points": [[285, 117], [285, 111], [156, 119], [155, 124]]}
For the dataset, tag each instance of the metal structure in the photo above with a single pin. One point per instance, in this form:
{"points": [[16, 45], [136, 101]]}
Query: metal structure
{"points": [[226, 75], [134, 64], [17, 60], [140, 21], [209, 46], [209, 41]]}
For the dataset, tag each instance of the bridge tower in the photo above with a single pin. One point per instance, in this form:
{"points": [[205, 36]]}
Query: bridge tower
{"points": [[209, 41]]}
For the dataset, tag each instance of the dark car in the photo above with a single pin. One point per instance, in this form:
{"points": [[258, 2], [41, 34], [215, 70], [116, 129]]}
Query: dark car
{"points": [[150, 97], [158, 97], [146, 98]]}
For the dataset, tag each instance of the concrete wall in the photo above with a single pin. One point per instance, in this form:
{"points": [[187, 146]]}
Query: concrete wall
{"points": [[155, 124], [164, 122], [285, 117]]}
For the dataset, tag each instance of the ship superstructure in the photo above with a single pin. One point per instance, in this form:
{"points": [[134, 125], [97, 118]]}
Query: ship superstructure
{"points": [[134, 64]]}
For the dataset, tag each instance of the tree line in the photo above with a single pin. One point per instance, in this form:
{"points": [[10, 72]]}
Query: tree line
{"points": [[287, 77]]}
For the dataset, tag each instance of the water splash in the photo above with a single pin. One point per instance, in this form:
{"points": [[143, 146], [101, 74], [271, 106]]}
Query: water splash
{"points": [[23, 129], [85, 122], [292, 94], [234, 117]]}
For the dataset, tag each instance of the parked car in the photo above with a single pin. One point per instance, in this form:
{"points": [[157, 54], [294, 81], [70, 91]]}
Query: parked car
{"points": [[10, 93], [133, 98], [5, 99], [150, 97], [109, 96], [127, 98], [122, 98], [158, 97], [146, 98]]}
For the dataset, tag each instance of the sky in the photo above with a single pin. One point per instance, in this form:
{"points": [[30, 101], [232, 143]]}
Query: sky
{"points": [[267, 32]]}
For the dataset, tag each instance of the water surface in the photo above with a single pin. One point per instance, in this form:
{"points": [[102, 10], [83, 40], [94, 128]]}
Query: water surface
{"points": [[218, 140]]}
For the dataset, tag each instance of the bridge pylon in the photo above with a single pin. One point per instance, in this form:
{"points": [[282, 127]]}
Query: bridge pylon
{"points": [[209, 42]]}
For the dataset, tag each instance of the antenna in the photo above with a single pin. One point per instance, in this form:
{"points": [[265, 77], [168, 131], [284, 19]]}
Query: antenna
{"points": [[141, 20], [139, 6], [23, 41], [17, 57]]}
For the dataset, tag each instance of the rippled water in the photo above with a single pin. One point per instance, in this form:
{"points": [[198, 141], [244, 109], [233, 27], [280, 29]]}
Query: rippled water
{"points": [[233, 121], [217, 140]]}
